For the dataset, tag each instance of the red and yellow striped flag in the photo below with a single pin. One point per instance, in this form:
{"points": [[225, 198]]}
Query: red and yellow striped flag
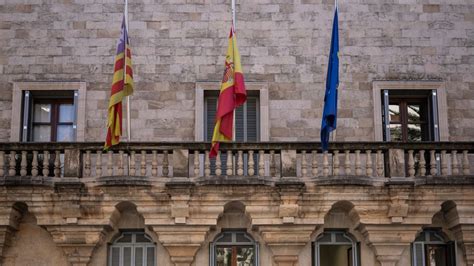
{"points": [[232, 95], [122, 86]]}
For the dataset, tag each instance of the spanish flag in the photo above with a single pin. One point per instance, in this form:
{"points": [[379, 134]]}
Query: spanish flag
{"points": [[232, 95], [122, 86]]}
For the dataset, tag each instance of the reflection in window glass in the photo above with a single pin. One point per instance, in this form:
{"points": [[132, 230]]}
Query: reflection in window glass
{"points": [[223, 256], [65, 133], [414, 132], [394, 110], [436, 255], [245, 256], [66, 113], [396, 132], [414, 114], [42, 113], [41, 133]]}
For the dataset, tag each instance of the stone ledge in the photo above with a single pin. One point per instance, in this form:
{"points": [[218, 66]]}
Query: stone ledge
{"points": [[27, 181], [123, 181], [347, 180], [235, 180], [444, 180]]}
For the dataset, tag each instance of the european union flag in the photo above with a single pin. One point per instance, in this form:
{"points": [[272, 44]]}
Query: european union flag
{"points": [[329, 120]]}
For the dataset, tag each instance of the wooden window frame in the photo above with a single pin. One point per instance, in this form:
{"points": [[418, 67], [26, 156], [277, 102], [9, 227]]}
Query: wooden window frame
{"points": [[54, 119]]}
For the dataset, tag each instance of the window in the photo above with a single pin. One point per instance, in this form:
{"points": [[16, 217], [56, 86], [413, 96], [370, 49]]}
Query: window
{"points": [[49, 118], [48, 111], [431, 249], [410, 117], [132, 249], [336, 248], [234, 248], [410, 111]]}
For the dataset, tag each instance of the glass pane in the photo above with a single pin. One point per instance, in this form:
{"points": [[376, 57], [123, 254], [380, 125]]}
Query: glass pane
{"points": [[223, 256], [414, 132], [226, 238], [66, 113], [242, 238], [42, 113], [326, 238], [436, 255], [127, 256], [138, 256], [65, 133], [245, 256], [126, 238], [150, 256], [396, 132], [141, 238], [115, 257], [414, 113], [42, 133], [394, 110], [335, 255], [340, 238]]}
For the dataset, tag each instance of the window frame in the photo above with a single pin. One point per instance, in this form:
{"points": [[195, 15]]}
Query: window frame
{"points": [[316, 244], [260, 87], [423, 240], [18, 116], [54, 122], [441, 103], [214, 244], [132, 245]]}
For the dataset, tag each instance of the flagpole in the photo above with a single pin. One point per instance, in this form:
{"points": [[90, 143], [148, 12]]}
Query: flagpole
{"points": [[233, 31], [335, 130], [125, 74]]}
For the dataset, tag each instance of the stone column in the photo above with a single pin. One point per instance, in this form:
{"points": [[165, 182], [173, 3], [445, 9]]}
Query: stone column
{"points": [[181, 241], [286, 241]]}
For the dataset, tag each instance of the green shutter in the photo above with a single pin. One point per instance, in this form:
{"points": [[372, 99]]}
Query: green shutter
{"points": [[418, 254]]}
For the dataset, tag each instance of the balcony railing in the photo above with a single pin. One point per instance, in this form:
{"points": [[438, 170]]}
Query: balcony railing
{"points": [[244, 161]]}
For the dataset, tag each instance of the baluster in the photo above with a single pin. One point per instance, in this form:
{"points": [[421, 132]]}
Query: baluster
{"points": [[143, 163], [207, 164], [23, 164], [314, 163], [272, 163], [229, 163], [325, 164], [240, 163], [251, 164], [465, 163], [454, 163], [2, 163], [98, 164], [304, 166], [196, 163], [12, 164], [368, 163], [379, 163], [261, 163], [46, 163], [154, 163], [347, 162], [110, 163], [166, 169], [411, 164], [433, 169], [218, 164], [444, 163], [121, 164], [335, 163], [358, 168], [422, 164], [87, 164], [57, 164], [34, 164], [132, 170]]}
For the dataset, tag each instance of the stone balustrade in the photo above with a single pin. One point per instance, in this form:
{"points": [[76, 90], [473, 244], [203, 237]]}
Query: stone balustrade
{"points": [[269, 160]]}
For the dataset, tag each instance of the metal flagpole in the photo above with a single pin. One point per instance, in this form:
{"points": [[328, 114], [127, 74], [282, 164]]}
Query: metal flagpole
{"points": [[233, 31], [125, 73], [335, 130]]}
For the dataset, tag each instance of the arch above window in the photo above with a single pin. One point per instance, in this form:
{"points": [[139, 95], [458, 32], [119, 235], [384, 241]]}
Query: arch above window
{"points": [[432, 248], [132, 249]]}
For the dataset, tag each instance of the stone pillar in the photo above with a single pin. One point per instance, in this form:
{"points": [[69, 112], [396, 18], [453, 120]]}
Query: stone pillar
{"points": [[286, 241], [396, 162], [181, 241], [77, 242]]}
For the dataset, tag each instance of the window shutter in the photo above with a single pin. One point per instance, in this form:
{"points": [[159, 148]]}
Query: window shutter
{"points": [[240, 123], [74, 123], [212, 258], [252, 119], [150, 256], [418, 254], [26, 116], [386, 115], [257, 254], [434, 108], [357, 261], [209, 117], [452, 253]]}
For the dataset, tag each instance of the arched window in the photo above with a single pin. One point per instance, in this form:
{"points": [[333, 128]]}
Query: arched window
{"points": [[132, 249], [431, 249], [336, 248], [234, 248]]}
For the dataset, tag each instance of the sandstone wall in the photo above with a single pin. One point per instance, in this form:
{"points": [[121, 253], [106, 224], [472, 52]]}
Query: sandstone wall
{"points": [[282, 42]]}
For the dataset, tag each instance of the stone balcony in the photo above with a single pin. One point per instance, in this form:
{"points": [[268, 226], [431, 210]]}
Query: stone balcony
{"points": [[266, 163]]}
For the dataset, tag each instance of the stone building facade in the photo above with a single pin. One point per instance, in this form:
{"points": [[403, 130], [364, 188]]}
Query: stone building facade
{"points": [[274, 196]]}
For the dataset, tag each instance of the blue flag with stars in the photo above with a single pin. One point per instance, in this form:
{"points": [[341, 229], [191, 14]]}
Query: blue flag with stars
{"points": [[329, 120]]}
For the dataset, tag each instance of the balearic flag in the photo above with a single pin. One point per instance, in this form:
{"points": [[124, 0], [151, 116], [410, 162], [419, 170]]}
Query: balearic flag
{"points": [[232, 95], [329, 120], [122, 86]]}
